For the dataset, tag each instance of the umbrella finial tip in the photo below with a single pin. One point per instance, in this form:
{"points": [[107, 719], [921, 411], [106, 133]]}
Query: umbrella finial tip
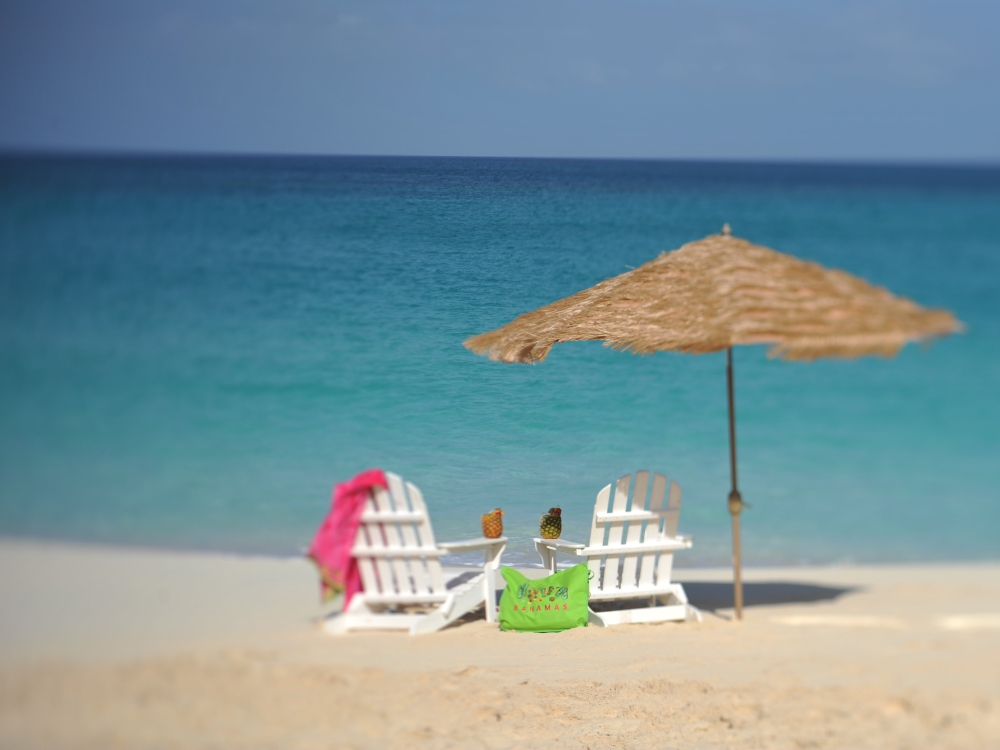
{"points": [[726, 229]]}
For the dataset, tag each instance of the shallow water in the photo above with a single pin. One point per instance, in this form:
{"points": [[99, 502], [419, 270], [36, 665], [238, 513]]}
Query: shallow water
{"points": [[193, 350]]}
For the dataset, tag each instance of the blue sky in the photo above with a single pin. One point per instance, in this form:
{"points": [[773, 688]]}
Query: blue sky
{"points": [[711, 79]]}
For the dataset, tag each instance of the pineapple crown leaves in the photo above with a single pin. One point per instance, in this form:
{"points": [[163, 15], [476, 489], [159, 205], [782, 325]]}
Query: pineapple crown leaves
{"points": [[555, 511]]}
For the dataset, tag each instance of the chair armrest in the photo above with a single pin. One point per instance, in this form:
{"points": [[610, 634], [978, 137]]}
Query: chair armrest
{"points": [[471, 544], [557, 544]]}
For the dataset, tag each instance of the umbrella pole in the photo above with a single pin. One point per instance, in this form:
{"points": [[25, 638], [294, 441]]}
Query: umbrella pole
{"points": [[735, 500]]}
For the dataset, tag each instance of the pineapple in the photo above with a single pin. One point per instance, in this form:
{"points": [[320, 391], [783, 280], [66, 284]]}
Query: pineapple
{"points": [[493, 524], [551, 524]]}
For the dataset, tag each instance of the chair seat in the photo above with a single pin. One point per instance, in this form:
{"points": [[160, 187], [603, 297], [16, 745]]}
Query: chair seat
{"points": [[633, 593], [403, 598], [457, 584]]}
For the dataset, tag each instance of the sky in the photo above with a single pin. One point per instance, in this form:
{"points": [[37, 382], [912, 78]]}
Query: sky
{"points": [[713, 79]]}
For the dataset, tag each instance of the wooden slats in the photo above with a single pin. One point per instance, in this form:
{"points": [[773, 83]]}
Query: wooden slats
{"points": [[632, 542], [663, 545], [633, 533], [615, 534], [406, 598], [653, 532], [629, 542], [597, 538], [395, 548], [391, 553], [425, 534], [374, 539], [374, 516], [631, 515], [417, 566], [395, 498], [366, 567], [425, 538], [398, 560], [664, 567], [631, 550], [673, 509]]}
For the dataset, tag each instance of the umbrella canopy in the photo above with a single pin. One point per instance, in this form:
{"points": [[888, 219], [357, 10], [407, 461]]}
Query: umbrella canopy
{"points": [[715, 293]]}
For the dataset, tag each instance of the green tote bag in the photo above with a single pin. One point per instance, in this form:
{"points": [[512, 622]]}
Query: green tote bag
{"points": [[545, 605]]}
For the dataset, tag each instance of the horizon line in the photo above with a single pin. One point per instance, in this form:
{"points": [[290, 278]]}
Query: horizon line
{"points": [[111, 153]]}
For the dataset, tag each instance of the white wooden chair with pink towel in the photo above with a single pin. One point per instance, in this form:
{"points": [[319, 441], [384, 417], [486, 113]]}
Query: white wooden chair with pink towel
{"points": [[631, 551], [379, 550]]}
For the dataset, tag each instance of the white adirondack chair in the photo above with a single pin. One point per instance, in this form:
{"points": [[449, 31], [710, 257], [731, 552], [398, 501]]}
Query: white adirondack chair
{"points": [[631, 552], [401, 572]]}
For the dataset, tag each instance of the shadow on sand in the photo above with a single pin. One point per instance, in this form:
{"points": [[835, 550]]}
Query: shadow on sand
{"points": [[711, 595]]}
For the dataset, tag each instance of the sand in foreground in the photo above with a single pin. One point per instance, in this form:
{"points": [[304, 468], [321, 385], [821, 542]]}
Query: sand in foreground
{"points": [[104, 648]]}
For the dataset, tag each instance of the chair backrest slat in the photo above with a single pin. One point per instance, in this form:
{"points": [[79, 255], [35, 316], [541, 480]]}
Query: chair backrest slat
{"points": [[396, 521], [417, 569], [652, 532], [664, 566], [369, 578], [373, 535], [425, 538], [615, 534], [392, 501], [633, 534], [673, 511], [597, 530]]}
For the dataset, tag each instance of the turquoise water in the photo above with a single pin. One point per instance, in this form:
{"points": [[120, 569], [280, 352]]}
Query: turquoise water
{"points": [[192, 351]]}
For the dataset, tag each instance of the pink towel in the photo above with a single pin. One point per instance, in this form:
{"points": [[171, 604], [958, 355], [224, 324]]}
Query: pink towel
{"points": [[331, 547]]}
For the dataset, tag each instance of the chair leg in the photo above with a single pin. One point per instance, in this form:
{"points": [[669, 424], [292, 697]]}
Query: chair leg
{"points": [[493, 554], [681, 596], [595, 619], [360, 616], [490, 594], [676, 595], [548, 556], [679, 593], [464, 602]]}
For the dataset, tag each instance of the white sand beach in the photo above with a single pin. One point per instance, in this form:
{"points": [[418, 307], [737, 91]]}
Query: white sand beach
{"points": [[121, 648]]}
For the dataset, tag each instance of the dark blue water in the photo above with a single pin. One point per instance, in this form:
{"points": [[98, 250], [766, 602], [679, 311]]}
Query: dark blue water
{"points": [[193, 350]]}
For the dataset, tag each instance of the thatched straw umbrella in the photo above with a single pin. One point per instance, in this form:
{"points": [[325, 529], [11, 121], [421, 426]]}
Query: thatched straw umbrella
{"points": [[715, 293]]}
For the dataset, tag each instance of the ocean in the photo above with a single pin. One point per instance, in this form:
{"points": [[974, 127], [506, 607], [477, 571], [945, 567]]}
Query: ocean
{"points": [[194, 350]]}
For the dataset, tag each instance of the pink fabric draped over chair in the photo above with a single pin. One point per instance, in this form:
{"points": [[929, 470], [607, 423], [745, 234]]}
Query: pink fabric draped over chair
{"points": [[334, 540]]}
